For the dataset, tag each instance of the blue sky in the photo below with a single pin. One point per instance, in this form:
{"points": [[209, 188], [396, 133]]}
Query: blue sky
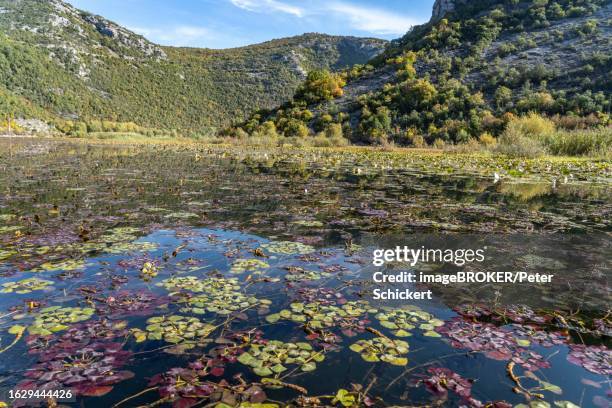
{"points": [[233, 23]]}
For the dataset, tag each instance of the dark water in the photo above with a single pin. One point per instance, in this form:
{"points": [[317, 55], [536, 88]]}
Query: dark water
{"points": [[107, 229]]}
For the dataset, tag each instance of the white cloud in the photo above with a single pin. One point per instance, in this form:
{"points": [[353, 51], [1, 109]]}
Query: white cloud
{"points": [[373, 20], [266, 6], [368, 19], [182, 35]]}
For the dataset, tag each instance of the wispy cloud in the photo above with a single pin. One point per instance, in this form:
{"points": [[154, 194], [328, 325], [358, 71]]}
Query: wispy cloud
{"points": [[368, 19], [181, 35], [376, 21], [267, 6]]}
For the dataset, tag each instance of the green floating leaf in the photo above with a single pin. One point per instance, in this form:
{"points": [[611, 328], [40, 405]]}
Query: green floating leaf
{"points": [[402, 321], [273, 318], [565, 404], [274, 357], [345, 398], [555, 389], [55, 318], [249, 265], [16, 329], [382, 349], [288, 248], [523, 342]]}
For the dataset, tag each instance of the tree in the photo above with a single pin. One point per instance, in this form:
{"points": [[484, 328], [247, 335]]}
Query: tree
{"points": [[321, 85], [503, 96], [418, 93], [296, 128]]}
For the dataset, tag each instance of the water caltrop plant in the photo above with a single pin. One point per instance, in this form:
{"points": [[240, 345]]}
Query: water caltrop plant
{"points": [[287, 248], [222, 302], [25, 286], [272, 359], [382, 349], [198, 285], [55, 318], [188, 322], [177, 329], [249, 265], [402, 321]]}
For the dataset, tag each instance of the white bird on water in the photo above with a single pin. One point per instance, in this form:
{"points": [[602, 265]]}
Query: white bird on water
{"points": [[496, 177]]}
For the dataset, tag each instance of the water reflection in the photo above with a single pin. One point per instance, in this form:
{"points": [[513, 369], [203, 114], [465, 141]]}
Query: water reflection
{"points": [[140, 242]]}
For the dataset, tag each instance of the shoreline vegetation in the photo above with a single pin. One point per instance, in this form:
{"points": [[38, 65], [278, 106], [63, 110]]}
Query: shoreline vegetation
{"points": [[450, 160], [529, 136], [523, 79]]}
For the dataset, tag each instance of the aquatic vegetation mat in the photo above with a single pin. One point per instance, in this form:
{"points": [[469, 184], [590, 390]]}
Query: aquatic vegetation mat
{"points": [[202, 276]]}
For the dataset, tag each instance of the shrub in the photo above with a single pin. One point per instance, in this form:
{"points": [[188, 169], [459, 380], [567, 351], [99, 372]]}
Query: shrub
{"points": [[531, 125], [321, 86], [418, 141], [591, 142], [439, 144], [469, 146], [268, 129], [487, 140], [321, 140], [414, 139], [515, 142], [571, 122], [296, 128], [239, 133], [334, 131]]}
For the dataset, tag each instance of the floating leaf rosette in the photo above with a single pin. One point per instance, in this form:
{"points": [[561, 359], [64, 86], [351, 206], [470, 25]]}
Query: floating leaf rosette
{"points": [[6, 253], [249, 265], [401, 321], [25, 286], [63, 265], [9, 228], [222, 302], [596, 359], [175, 329], [149, 270], [498, 343], [382, 349], [189, 387], [308, 223], [316, 316], [288, 248], [121, 234], [118, 240], [55, 318], [131, 247], [274, 357], [298, 274], [181, 215], [90, 370], [196, 285], [129, 303], [6, 217], [532, 261]]}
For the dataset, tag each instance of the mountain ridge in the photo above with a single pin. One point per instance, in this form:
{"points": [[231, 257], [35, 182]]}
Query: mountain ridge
{"points": [[465, 74], [96, 69]]}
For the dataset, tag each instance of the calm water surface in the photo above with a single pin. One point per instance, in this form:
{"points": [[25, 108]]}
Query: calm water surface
{"points": [[226, 252]]}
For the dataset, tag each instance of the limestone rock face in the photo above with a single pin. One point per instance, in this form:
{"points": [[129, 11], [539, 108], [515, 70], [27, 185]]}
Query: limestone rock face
{"points": [[441, 7]]}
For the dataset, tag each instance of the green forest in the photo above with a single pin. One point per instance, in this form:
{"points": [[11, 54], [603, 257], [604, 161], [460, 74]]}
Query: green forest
{"points": [[465, 79]]}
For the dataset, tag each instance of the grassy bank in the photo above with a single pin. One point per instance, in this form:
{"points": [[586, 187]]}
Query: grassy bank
{"points": [[362, 160]]}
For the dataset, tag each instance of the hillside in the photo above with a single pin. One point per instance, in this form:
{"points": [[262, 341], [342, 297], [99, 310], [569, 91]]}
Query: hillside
{"points": [[60, 62], [465, 74]]}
